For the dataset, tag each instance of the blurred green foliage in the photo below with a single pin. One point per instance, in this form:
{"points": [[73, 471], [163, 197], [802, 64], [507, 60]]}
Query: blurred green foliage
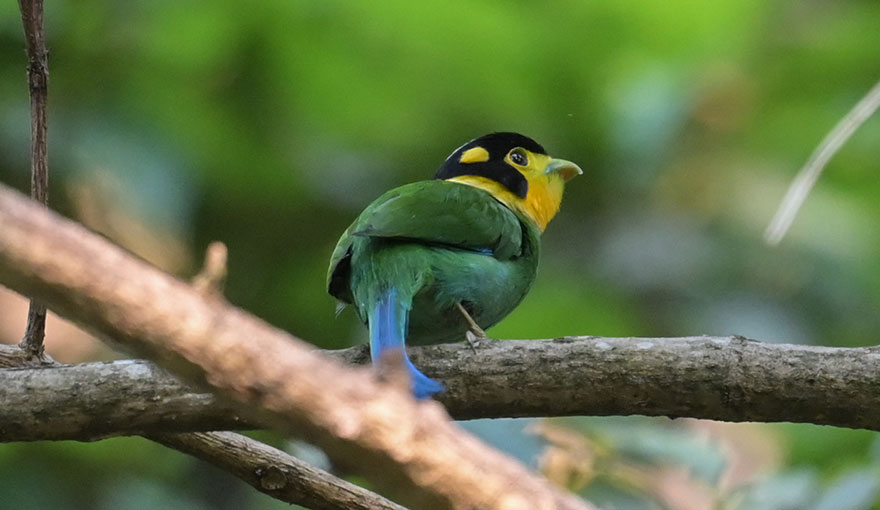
{"points": [[269, 126]]}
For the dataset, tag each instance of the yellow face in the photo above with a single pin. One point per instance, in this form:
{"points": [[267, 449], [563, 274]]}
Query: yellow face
{"points": [[546, 179]]}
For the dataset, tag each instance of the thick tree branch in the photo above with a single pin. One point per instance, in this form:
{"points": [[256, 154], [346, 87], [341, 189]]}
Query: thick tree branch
{"points": [[38, 85], [144, 399], [267, 469], [409, 448], [721, 378]]}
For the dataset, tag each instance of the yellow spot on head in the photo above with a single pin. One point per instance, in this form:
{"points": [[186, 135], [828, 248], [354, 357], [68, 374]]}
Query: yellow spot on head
{"points": [[474, 155]]}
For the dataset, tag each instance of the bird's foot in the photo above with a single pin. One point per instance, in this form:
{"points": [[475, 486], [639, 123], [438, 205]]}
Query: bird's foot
{"points": [[475, 334], [474, 339]]}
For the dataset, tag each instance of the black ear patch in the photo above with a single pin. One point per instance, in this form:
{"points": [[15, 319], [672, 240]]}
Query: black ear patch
{"points": [[496, 168], [500, 172]]}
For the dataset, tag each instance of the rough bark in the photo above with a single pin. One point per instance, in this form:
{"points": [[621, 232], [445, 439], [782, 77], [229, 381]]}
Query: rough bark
{"points": [[408, 448], [267, 469], [93, 401], [720, 378]]}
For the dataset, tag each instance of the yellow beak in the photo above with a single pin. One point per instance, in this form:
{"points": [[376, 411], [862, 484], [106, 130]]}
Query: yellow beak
{"points": [[566, 169]]}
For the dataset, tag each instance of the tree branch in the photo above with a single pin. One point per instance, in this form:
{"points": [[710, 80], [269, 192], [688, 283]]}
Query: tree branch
{"points": [[720, 378], [267, 469], [274, 472], [408, 448], [38, 86], [143, 399]]}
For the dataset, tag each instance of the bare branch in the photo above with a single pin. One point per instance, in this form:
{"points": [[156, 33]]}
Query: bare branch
{"points": [[807, 176], [409, 448], [719, 378], [274, 472], [143, 399], [38, 85], [155, 394]]}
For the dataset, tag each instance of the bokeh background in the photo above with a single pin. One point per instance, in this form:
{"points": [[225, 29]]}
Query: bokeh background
{"points": [[270, 125]]}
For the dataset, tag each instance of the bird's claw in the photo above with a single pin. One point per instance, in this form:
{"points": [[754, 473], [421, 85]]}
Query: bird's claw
{"points": [[472, 340], [474, 334]]}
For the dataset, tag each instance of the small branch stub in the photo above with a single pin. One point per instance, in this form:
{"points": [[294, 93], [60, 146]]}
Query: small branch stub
{"points": [[212, 277]]}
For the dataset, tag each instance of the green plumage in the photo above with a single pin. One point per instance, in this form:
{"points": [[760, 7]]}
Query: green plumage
{"points": [[436, 243], [424, 259]]}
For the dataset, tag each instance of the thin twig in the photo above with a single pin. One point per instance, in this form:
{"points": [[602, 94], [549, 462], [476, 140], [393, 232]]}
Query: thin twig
{"points": [[38, 85], [806, 178], [274, 472]]}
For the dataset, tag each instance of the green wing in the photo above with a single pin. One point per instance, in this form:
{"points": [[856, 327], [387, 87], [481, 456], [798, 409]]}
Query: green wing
{"points": [[447, 213], [433, 212]]}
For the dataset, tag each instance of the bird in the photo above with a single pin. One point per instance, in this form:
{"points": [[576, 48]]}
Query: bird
{"points": [[439, 260]]}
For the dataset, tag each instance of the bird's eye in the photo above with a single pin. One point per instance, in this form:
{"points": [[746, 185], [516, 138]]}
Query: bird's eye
{"points": [[517, 157]]}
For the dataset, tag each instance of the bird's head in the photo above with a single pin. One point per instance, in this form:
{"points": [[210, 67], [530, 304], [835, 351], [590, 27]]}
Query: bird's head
{"points": [[514, 169]]}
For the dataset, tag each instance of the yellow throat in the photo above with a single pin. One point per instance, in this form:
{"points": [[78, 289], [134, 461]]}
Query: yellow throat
{"points": [[540, 204]]}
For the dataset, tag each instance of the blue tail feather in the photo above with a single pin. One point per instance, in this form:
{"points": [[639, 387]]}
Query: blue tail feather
{"points": [[388, 320]]}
